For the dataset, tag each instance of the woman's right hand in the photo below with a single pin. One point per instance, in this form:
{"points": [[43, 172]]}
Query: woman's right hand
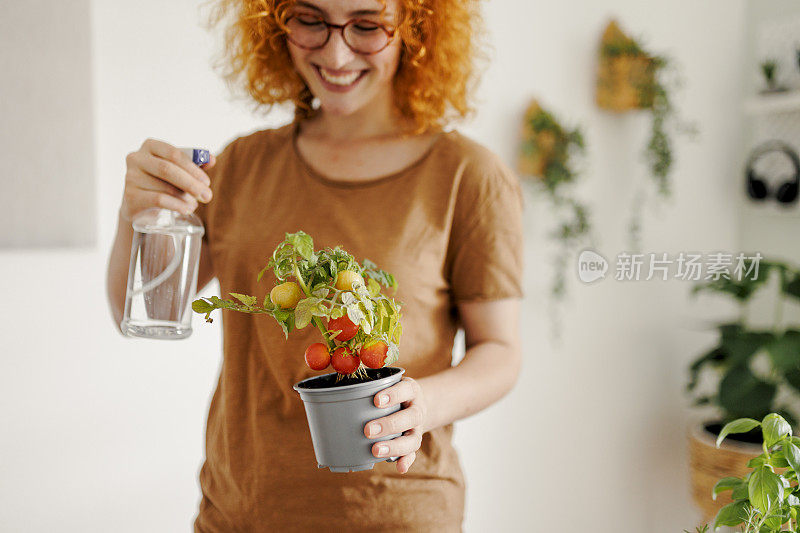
{"points": [[160, 175]]}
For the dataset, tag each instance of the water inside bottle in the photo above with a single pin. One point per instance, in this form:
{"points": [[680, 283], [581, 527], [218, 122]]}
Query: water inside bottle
{"points": [[162, 283]]}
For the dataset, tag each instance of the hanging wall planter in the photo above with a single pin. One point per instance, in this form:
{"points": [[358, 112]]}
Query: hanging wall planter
{"points": [[630, 78], [624, 74], [545, 156]]}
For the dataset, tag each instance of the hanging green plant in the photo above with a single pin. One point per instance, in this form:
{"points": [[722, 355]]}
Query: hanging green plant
{"points": [[630, 77], [544, 155]]}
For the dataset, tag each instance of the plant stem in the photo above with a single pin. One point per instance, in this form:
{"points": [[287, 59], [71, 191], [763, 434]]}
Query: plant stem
{"points": [[315, 319], [779, 303]]}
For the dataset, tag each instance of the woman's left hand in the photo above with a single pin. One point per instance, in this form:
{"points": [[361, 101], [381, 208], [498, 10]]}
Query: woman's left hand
{"points": [[409, 421]]}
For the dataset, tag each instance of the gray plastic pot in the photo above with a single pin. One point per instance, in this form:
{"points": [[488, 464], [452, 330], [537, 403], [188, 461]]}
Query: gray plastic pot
{"points": [[338, 414]]}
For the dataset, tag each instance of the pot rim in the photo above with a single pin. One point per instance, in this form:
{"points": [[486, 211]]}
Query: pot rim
{"points": [[346, 388]]}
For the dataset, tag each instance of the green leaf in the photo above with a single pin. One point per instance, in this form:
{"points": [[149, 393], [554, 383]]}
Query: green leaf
{"points": [[792, 377], [726, 483], [778, 462], [354, 313], [742, 425], [202, 306], [393, 353], [287, 323], [792, 454], [281, 315], [732, 514], [765, 489], [774, 523], [742, 394], [373, 288], [304, 311], [264, 270], [742, 289], [791, 284], [774, 428], [249, 301], [756, 461], [740, 492], [784, 350], [303, 243], [741, 344]]}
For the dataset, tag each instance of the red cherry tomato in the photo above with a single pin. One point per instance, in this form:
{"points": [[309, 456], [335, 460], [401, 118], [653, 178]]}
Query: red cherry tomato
{"points": [[373, 353], [348, 329], [344, 361], [317, 356]]}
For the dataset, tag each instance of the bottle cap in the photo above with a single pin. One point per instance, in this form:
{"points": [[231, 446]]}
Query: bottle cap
{"points": [[197, 155]]}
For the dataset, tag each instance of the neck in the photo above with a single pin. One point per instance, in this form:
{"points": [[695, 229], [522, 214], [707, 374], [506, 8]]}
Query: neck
{"points": [[378, 119]]}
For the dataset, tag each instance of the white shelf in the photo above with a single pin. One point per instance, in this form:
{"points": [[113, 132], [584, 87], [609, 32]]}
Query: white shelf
{"points": [[779, 102]]}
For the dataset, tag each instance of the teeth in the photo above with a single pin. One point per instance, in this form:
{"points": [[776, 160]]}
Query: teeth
{"points": [[342, 79]]}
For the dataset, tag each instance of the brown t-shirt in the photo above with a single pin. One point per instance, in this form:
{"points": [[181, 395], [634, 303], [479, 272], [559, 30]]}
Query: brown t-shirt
{"points": [[448, 227]]}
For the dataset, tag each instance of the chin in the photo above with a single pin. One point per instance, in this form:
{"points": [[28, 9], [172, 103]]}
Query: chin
{"points": [[340, 109]]}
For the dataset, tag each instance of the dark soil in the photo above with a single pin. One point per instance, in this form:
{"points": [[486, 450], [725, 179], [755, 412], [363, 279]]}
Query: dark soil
{"points": [[329, 380], [754, 436]]}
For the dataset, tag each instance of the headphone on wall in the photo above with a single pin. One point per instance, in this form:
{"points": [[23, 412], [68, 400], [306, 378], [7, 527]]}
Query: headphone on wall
{"points": [[757, 187]]}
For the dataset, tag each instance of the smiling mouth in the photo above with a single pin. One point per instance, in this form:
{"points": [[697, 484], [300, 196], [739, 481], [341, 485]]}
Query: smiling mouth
{"points": [[339, 79]]}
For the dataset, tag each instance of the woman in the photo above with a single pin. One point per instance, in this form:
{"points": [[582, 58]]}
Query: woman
{"points": [[366, 164]]}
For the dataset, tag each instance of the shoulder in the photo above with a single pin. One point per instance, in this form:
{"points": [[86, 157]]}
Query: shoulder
{"points": [[256, 141], [481, 171]]}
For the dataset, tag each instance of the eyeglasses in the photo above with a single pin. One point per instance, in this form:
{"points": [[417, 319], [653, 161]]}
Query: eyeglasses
{"points": [[362, 36]]}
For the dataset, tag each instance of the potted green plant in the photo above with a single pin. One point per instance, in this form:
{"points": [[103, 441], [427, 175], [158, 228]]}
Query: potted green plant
{"points": [[767, 498], [769, 67], [751, 366], [360, 329]]}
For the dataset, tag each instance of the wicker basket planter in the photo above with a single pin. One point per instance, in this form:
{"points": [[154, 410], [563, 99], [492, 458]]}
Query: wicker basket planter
{"points": [[709, 464], [624, 82]]}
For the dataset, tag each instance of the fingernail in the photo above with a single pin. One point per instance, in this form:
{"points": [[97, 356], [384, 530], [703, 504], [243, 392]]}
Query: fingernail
{"points": [[383, 450], [374, 429], [206, 195], [383, 399]]}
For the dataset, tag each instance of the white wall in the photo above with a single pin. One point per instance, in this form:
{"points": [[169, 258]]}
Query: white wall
{"points": [[104, 433], [46, 105]]}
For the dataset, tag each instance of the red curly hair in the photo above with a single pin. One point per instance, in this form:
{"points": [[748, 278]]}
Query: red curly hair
{"points": [[433, 82]]}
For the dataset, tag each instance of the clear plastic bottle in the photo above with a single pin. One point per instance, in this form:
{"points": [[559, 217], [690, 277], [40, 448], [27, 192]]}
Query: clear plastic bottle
{"points": [[162, 278]]}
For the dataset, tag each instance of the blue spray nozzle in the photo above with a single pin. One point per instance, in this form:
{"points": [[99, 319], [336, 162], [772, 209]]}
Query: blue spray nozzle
{"points": [[198, 156]]}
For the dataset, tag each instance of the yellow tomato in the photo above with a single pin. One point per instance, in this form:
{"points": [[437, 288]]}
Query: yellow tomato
{"points": [[286, 294], [346, 278]]}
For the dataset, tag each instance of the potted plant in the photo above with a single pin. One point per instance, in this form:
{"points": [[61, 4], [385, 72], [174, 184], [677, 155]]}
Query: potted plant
{"points": [[766, 498], [769, 69], [360, 330], [544, 154], [629, 77], [756, 371]]}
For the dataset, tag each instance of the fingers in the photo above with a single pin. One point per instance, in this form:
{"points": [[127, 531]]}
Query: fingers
{"points": [[406, 390], [404, 463], [142, 190], [406, 444], [172, 173], [161, 175], [211, 162], [402, 420], [174, 155]]}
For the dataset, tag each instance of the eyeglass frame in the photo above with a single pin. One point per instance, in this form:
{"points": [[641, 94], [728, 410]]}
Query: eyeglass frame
{"points": [[390, 33]]}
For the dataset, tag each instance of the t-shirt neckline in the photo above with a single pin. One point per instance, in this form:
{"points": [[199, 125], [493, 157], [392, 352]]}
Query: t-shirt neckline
{"points": [[351, 184]]}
